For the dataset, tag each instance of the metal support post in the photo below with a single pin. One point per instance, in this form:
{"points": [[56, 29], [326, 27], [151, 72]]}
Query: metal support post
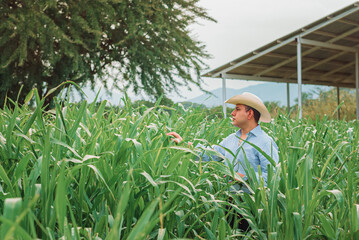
{"points": [[299, 75], [224, 94], [357, 82], [338, 102], [288, 97]]}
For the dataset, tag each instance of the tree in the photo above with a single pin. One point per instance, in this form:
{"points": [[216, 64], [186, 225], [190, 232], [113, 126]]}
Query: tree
{"points": [[44, 43]]}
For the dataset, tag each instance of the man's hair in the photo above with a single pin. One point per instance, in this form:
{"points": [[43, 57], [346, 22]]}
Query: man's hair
{"points": [[257, 115]]}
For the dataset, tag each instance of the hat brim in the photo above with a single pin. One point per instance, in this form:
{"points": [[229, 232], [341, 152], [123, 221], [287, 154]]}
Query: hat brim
{"points": [[254, 102]]}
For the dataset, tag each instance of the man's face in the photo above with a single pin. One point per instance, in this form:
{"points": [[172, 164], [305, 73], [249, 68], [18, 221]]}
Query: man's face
{"points": [[240, 116]]}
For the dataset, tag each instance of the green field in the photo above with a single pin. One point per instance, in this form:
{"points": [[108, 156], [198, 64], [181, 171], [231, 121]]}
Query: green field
{"points": [[87, 171]]}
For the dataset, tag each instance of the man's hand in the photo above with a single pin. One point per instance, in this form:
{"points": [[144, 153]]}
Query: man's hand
{"points": [[240, 174], [177, 138]]}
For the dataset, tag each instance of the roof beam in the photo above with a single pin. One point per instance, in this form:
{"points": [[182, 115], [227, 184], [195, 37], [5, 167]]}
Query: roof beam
{"points": [[329, 34], [256, 65], [291, 69], [329, 45], [291, 39], [325, 60], [309, 59], [308, 46], [256, 78], [333, 84], [254, 57], [263, 66], [336, 70], [345, 79], [278, 55], [347, 21], [351, 31], [313, 81]]}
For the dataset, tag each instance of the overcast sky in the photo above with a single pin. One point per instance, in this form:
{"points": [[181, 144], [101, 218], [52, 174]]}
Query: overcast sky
{"points": [[245, 25]]}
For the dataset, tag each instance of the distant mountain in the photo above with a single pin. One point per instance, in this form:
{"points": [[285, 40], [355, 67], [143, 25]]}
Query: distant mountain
{"points": [[268, 92], [271, 92], [103, 94]]}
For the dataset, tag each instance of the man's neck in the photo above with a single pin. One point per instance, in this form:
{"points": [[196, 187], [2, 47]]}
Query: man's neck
{"points": [[246, 129]]}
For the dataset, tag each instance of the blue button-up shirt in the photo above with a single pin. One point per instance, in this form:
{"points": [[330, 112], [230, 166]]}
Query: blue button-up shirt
{"points": [[241, 150]]}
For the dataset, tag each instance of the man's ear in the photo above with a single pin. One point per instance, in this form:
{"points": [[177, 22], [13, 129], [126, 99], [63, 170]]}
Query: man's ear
{"points": [[250, 114]]}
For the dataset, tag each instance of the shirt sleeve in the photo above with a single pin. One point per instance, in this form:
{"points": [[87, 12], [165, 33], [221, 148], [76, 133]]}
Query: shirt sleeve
{"points": [[206, 156], [271, 149]]}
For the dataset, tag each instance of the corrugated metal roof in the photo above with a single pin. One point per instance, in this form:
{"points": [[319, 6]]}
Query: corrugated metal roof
{"points": [[328, 54]]}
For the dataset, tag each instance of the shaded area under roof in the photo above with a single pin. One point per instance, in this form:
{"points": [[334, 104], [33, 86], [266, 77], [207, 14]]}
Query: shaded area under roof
{"points": [[328, 49]]}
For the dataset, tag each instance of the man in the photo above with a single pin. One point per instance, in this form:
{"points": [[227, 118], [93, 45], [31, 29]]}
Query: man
{"points": [[248, 112]]}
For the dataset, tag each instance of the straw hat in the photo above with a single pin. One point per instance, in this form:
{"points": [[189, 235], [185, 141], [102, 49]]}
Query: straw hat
{"points": [[253, 101]]}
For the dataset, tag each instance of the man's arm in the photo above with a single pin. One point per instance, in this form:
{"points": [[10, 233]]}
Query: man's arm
{"points": [[177, 139], [205, 157]]}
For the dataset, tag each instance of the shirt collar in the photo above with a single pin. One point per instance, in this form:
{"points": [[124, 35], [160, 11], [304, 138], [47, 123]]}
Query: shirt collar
{"points": [[255, 131]]}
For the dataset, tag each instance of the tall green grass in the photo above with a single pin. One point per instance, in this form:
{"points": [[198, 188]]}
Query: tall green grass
{"points": [[87, 171]]}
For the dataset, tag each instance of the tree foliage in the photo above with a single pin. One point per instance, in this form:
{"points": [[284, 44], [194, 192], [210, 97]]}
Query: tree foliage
{"points": [[149, 44], [326, 105], [320, 104]]}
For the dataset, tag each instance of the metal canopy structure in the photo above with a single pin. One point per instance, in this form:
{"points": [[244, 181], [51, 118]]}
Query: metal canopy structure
{"points": [[324, 52]]}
